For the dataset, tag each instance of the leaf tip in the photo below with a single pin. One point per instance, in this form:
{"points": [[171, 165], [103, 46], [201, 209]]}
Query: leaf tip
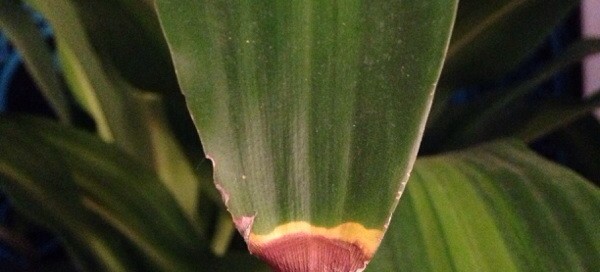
{"points": [[299, 246]]}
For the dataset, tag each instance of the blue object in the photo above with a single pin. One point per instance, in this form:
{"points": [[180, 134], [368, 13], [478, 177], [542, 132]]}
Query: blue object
{"points": [[10, 59], [7, 71], [10, 62]]}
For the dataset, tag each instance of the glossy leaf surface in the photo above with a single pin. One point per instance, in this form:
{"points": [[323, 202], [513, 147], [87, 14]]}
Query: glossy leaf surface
{"points": [[311, 111], [496, 207]]}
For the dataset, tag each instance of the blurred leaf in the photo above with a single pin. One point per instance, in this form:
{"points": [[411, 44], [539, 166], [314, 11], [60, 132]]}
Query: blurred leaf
{"points": [[41, 186], [105, 95], [127, 34], [553, 115], [578, 145], [136, 118], [496, 115], [122, 192], [312, 111], [224, 232], [120, 111], [19, 27], [132, 120], [238, 261], [83, 90], [170, 161], [495, 207], [491, 38]]}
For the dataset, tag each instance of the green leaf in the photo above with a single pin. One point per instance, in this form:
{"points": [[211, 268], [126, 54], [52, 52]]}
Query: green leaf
{"points": [[19, 27], [495, 207], [41, 186], [123, 114], [83, 90], [492, 37], [578, 144], [132, 119], [224, 233], [113, 186], [105, 95], [555, 114], [127, 35], [311, 111], [495, 116], [169, 160]]}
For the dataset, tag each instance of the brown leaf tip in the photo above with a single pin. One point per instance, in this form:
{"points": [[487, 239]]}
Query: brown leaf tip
{"points": [[300, 247], [305, 252]]}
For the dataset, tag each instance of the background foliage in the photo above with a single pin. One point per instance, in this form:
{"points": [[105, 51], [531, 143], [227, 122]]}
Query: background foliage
{"points": [[106, 183]]}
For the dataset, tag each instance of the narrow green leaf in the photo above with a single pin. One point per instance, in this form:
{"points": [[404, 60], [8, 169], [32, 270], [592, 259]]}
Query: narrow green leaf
{"points": [[224, 233], [118, 189], [492, 118], [132, 119], [555, 114], [83, 90], [496, 207], [311, 111], [145, 14], [127, 35], [579, 144], [492, 37], [19, 27], [169, 160], [41, 186], [96, 83]]}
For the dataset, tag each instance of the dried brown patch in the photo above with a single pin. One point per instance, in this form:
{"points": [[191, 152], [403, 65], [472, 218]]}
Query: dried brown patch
{"points": [[302, 252]]}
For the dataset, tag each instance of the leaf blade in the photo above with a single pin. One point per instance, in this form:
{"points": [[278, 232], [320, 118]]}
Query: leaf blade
{"points": [[112, 186], [541, 215], [24, 34], [303, 101], [481, 48]]}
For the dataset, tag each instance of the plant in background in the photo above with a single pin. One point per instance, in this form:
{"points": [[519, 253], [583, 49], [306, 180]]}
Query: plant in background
{"points": [[311, 114]]}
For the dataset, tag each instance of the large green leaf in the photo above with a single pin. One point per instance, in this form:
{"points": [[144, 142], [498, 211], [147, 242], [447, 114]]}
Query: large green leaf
{"points": [[311, 111], [18, 25], [496, 207], [493, 37], [107, 182]]}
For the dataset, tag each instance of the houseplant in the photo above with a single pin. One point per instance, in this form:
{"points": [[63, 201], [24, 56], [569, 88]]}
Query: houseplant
{"points": [[138, 196]]}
